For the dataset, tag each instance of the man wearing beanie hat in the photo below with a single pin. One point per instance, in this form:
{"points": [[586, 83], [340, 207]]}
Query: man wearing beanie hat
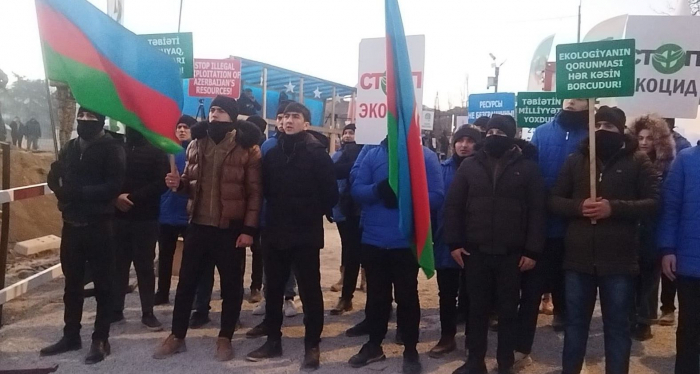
{"points": [[87, 179], [299, 188], [495, 217], [346, 216], [173, 216], [601, 243], [222, 179], [480, 124], [449, 273], [555, 141]]}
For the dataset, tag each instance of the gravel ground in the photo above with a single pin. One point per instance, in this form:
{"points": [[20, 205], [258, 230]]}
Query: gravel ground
{"points": [[35, 320]]}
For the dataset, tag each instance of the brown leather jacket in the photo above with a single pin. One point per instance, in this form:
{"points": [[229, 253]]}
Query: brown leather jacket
{"points": [[240, 182]]}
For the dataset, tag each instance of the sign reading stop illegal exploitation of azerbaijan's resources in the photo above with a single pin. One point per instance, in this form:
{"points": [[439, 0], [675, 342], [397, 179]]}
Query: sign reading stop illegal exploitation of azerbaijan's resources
{"points": [[597, 69]]}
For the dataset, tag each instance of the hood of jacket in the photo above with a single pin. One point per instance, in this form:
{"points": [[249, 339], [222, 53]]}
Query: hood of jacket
{"points": [[247, 134], [664, 144]]}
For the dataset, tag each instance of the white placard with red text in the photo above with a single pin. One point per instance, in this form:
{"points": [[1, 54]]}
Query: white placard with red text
{"points": [[371, 107]]}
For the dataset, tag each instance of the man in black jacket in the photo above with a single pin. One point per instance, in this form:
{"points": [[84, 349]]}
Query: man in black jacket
{"points": [[87, 179], [299, 186], [495, 226], [601, 243], [136, 224]]}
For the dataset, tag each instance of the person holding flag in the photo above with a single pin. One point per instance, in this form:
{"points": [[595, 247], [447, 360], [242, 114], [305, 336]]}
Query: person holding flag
{"points": [[495, 225], [397, 185]]}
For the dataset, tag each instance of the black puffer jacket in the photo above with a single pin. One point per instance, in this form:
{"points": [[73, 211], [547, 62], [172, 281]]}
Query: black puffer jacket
{"points": [[300, 187], [95, 175], [501, 216], [631, 184], [146, 167]]}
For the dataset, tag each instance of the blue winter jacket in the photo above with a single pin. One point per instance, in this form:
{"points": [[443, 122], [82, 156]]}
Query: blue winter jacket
{"points": [[173, 206], [678, 231], [443, 258], [342, 184], [554, 144], [380, 225]]}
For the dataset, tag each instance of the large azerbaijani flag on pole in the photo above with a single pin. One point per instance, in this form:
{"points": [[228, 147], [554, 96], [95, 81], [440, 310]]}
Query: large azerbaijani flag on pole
{"points": [[407, 175], [111, 70]]}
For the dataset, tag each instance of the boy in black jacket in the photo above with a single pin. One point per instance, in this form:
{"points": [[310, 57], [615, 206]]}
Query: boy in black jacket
{"points": [[87, 179], [136, 226]]}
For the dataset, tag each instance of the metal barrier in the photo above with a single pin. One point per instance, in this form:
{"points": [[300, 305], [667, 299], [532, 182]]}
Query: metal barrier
{"points": [[8, 195]]}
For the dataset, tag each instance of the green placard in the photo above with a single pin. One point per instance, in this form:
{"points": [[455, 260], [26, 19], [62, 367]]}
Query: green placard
{"points": [[178, 45], [597, 69], [536, 108]]}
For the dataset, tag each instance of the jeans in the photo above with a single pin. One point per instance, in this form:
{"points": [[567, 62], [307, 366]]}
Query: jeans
{"points": [[135, 242], [489, 275], [305, 262], [91, 245], [668, 295], [384, 268], [545, 275], [167, 242], [688, 333], [647, 293], [205, 245], [350, 237], [616, 301], [289, 288], [449, 281], [33, 142]]}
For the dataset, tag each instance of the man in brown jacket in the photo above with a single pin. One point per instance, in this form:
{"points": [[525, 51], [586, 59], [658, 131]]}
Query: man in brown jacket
{"points": [[223, 181]]}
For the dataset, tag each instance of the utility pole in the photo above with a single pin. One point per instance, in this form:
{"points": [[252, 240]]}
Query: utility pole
{"points": [[578, 37], [179, 19]]}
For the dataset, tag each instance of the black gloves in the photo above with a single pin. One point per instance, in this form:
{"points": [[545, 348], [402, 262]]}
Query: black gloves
{"points": [[387, 195]]}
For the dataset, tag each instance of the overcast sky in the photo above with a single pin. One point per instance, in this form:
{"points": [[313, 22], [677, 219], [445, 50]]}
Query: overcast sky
{"points": [[321, 37]]}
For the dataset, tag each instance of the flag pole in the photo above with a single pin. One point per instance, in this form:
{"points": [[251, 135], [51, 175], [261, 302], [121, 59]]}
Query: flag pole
{"points": [[179, 20], [51, 112], [592, 151]]}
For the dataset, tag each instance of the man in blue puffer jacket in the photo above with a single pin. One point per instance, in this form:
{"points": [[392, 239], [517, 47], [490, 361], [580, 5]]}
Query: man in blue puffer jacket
{"points": [[555, 141], [680, 246], [387, 255], [449, 273], [173, 217]]}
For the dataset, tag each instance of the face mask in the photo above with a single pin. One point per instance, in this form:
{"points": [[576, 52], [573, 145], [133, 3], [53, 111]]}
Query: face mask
{"points": [[496, 146], [89, 130], [608, 143], [218, 130]]}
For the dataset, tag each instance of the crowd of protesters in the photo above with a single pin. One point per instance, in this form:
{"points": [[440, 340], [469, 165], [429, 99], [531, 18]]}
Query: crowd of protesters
{"points": [[515, 229]]}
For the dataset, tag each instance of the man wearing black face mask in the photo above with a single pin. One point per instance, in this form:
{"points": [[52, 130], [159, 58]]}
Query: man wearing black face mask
{"points": [[495, 228], [601, 246], [87, 179], [223, 181], [136, 224]]}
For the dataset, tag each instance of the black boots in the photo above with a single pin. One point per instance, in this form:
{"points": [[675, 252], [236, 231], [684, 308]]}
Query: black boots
{"points": [[66, 344], [98, 351]]}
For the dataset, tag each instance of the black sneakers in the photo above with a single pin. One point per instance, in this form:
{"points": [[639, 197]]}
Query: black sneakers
{"points": [[66, 344], [151, 322], [198, 320], [368, 354], [257, 331], [360, 329], [271, 349], [312, 359]]}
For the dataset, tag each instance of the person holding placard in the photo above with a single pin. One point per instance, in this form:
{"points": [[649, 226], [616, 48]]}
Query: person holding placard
{"points": [[601, 244]]}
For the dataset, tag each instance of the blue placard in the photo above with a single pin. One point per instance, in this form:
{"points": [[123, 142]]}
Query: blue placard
{"points": [[489, 104]]}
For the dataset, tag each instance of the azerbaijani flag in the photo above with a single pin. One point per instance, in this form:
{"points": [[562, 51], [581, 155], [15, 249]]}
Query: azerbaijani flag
{"points": [[407, 175], [111, 70]]}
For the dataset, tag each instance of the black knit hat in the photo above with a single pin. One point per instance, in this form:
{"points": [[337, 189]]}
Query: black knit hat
{"points": [[186, 120], [482, 122], [295, 107], [259, 122], [350, 126], [466, 131], [228, 104], [613, 115], [504, 123], [100, 118]]}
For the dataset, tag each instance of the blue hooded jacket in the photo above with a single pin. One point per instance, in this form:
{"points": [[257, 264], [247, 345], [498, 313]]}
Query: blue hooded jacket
{"points": [[173, 206], [554, 144], [680, 216], [380, 225], [342, 184], [441, 251]]}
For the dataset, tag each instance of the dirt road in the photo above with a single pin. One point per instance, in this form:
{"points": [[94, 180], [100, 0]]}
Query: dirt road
{"points": [[35, 320]]}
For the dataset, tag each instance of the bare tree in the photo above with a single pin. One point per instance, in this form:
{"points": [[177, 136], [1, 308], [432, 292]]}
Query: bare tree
{"points": [[695, 7]]}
